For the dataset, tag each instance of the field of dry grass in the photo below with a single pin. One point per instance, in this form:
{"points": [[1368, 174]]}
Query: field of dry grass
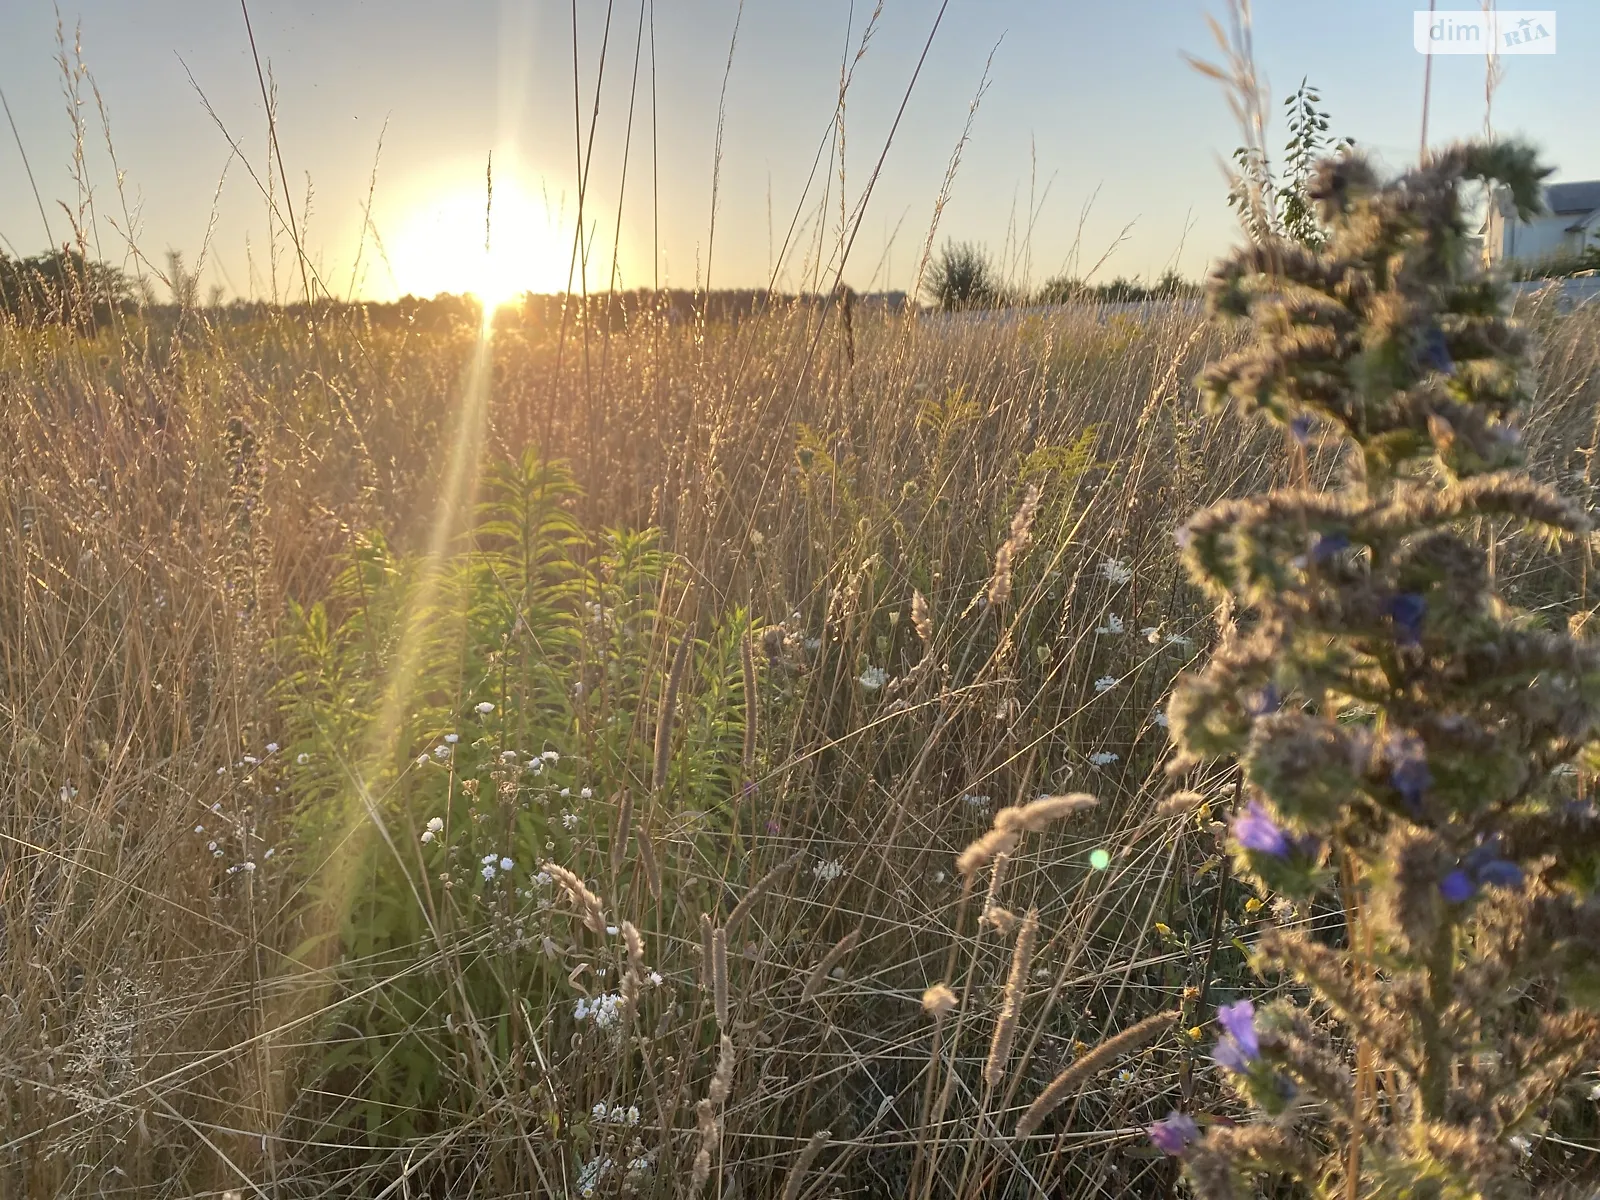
{"points": [[645, 606]]}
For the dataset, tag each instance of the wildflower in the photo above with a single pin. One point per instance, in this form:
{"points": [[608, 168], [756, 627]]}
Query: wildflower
{"points": [[506, 864], [551, 756], [536, 767], [1116, 572], [604, 1011], [873, 678], [249, 760], [1520, 1144], [441, 752], [488, 873], [1407, 610], [1103, 758], [632, 1115], [1240, 1046], [1113, 626], [1151, 634], [1173, 1134], [827, 870], [436, 824], [979, 804], [428, 835], [938, 1000], [566, 791], [569, 820], [1254, 829], [585, 793], [542, 879], [1328, 545], [302, 758], [272, 747], [598, 1112], [199, 828], [1410, 775], [247, 866], [484, 708], [422, 760], [1160, 719], [655, 978], [1301, 427], [1105, 683], [508, 756], [1457, 887], [452, 738]]}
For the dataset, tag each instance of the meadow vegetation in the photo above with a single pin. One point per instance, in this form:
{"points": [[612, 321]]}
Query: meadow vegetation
{"points": [[329, 647]]}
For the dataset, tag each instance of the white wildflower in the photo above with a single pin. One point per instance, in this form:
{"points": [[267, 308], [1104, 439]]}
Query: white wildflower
{"points": [[570, 820], [598, 1112], [827, 870], [1103, 758], [1116, 571], [441, 752], [586, 794], [873, 678], [302, 758], [484, 708], [1151, 634], [250, 760], [979, 804], [452, 738], [1521, 1144], [506, 864], [551, 756], [632, 1115], [543, 879], [655, 978], [1113, 626], [428, 835], [604, 1010], [272, 747], [488, 873], [247, 866], [436, 824], [1105, 683], [199, 828], [566, 791], [508, 756], [1161, 719]]}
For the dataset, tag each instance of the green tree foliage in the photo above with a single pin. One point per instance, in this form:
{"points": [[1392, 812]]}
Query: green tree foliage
{"points": [[62, 287], [1283, 207], [963, 278]]}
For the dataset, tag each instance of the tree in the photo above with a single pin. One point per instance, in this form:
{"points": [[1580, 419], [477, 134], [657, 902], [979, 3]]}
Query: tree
{"points": [[1273, 207], [62, 287], [963, 278]]}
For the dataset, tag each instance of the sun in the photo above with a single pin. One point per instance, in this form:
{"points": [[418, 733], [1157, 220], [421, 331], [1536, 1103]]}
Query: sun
{"points": [[438, 245]]}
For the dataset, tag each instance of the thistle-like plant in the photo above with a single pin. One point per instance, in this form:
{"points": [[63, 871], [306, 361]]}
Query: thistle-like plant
{"points": [[1405, 735]]}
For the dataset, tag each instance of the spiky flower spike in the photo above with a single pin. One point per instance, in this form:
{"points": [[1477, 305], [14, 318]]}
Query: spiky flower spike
{"points": [[1397, 723]]}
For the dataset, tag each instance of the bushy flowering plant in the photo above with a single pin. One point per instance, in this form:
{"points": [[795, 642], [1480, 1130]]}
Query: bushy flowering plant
{"points": [[1400, 727]]}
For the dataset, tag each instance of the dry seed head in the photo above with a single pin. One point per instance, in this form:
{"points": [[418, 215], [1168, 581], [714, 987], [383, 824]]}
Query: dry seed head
{"points": [[1038, 814], [1091, 1064], [819, 973], [1002, 920], [722, 1081], [980, 852], [922, 618], [802, 1164], [1005, 1026], [1180, 804], [587, 902], [647, 861], [759, 889], [619, 839], [719, 975], [938, 1000]]}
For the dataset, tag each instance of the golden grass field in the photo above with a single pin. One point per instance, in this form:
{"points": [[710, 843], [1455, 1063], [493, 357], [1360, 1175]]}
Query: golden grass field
{"points": [[253, 571]]}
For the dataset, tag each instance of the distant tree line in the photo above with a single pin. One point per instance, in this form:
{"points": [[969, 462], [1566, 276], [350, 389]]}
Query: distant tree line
{"points": [[964, 277], [62, 287]]}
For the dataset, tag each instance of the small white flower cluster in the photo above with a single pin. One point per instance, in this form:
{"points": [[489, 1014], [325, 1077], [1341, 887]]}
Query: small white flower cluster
{"points": [[1153, 635], [434, 829], [604, 1010], [1105, 683], [493, 863], [483, 708], [1160, 718], [1103, 758], [591, 1173], [616, 1115], [1113, 626], [827, 870], [1116, 572], [873, 678], [978, 804]]}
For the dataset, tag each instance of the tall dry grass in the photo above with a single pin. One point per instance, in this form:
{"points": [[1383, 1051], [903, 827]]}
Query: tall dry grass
{"points": [[166, 1014]]}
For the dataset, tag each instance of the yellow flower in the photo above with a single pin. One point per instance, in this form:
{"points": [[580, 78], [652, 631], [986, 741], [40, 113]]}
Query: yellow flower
{"points": [[1252, 905]]}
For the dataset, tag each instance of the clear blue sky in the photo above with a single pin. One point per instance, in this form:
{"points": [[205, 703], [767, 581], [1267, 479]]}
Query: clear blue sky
{"points": [[1093, 100]]}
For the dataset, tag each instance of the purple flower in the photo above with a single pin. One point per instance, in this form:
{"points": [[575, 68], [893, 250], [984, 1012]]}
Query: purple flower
{"points": [[1500, 872], [1267, 700], [1406, 610], [1457, 887], [1239, 1019], [1173, 1135], [1329, 544], [1410, 775], [1301, 426], [1435, 352], [1228, 1055], [1254, 829]]}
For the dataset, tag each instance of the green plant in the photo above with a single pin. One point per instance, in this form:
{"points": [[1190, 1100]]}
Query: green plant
{"points": [[1403, 731], [1284, 207], [962, 277]]}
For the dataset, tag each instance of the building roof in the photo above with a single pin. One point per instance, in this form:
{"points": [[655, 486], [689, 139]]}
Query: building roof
{"points": [[1573, 198]]}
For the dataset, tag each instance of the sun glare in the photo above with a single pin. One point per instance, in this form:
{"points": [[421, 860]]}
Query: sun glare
{"points": [[439, 246]]}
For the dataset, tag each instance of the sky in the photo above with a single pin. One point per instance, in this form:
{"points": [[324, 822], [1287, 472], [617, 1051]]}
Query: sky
{"points": [[390, 112]]}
